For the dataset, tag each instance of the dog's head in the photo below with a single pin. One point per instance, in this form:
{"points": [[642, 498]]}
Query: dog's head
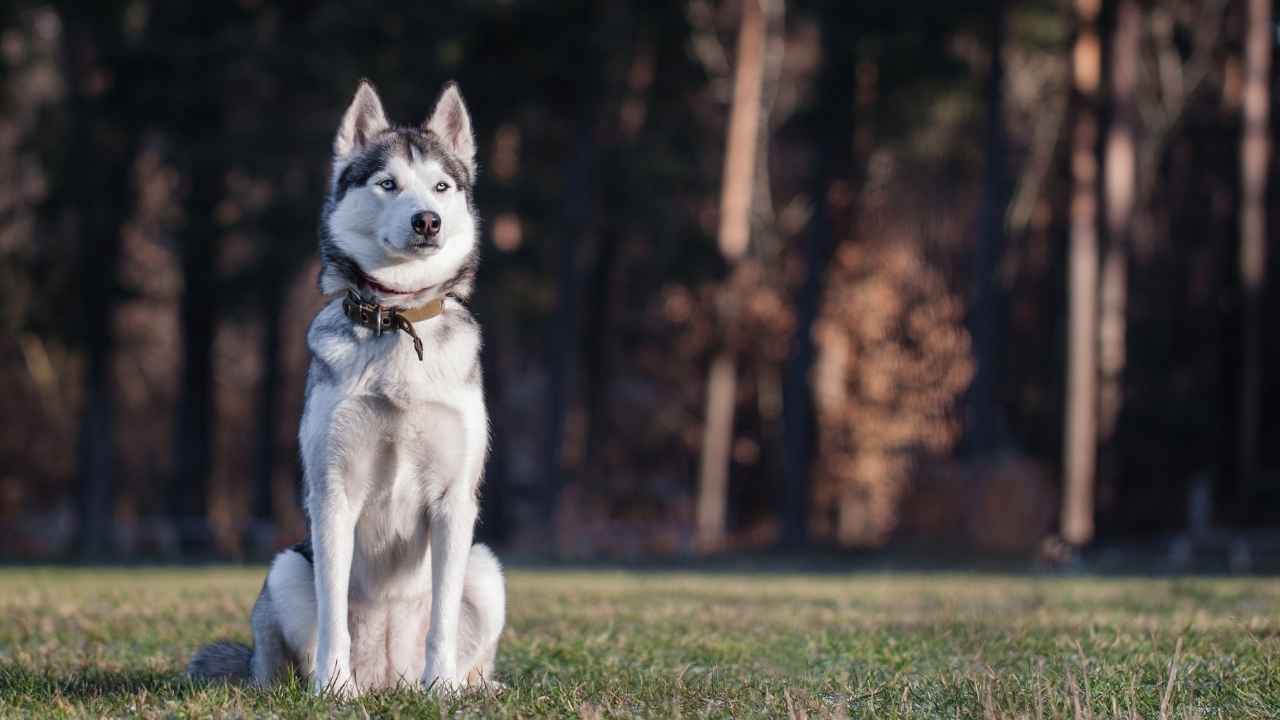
{"points": [[399, 224]]}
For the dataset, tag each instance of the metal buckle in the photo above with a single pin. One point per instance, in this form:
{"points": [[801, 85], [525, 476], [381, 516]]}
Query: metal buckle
{"points": [[377, 331]]}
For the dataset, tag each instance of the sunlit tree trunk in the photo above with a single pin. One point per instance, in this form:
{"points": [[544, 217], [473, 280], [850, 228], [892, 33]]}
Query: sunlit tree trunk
{"points": [[1080, 442], [735, 230], [1119, 188], [1254, 155]]}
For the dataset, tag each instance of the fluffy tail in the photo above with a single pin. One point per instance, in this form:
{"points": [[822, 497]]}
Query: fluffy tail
{"points": [[221, 661]]}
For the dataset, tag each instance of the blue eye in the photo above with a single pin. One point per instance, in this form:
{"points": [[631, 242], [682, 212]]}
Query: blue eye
{"points": [[442, 186], [389, 185]]}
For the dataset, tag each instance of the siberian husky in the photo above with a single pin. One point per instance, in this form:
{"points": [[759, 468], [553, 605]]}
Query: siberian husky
{"points": [[388, 589]]}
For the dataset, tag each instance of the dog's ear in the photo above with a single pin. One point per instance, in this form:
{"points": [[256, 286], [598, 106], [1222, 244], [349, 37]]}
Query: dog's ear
{"points": [[362, 122], [451, 123]]}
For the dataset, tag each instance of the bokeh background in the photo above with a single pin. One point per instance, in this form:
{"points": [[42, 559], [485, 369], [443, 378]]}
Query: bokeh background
{"points": [[934, 280]]}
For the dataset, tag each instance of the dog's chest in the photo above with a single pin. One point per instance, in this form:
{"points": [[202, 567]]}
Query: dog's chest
{"points": [[357, 362], [397, 434], [407, 428]]}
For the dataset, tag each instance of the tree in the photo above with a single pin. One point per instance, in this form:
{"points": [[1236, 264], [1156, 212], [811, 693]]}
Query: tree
{"points": [[196, 121], [983, 320], [1080, 443], [1255, 149], [1119, 190], [894, 360], [833, 120], [259, 536], [1144, 119], [564, 326], [101, 200], [734, 234]]}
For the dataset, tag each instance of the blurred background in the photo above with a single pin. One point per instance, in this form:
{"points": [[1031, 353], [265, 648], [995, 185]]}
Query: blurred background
{"points": [[925, 280]]}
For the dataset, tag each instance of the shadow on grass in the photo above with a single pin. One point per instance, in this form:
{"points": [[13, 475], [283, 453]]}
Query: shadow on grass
{"points": [[89, 683], [104, 692]]}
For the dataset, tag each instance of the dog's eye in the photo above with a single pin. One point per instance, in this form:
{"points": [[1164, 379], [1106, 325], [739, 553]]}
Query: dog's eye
{"points": [[442, 186], [389, 185]]}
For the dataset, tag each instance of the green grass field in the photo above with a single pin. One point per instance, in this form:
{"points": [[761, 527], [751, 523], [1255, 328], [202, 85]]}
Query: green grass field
{"points": [[91, 643]]}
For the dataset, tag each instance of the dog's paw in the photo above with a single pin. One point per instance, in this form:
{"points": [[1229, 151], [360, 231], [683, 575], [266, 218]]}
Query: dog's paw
{"points": [[442, 679], [479, 683], [337, 683], [443, 684]]}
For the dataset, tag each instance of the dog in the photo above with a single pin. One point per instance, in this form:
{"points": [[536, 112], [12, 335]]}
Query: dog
{"points": [[388, 589]]}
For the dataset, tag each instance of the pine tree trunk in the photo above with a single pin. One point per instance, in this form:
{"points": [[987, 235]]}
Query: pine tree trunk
{"points": [[562, 345], [100, 196], [1119, 188], [1254, 156], [1080, 445], [261, 526], [193, 436], [983, 320], [735, 227], [833, 138]]}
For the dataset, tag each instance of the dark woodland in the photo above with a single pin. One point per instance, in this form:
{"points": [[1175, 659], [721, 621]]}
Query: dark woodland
{"points": [[805, 277]]}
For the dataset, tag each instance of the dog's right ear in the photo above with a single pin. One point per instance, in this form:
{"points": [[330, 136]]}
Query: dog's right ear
{"points": [[362, 122]]}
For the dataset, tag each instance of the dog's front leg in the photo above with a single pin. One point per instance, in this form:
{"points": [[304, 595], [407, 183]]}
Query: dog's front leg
{"points": [[333, 536], [452, 525]]}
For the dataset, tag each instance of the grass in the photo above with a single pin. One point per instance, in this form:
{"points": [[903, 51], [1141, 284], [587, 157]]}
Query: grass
{"points": [[92, 643]]}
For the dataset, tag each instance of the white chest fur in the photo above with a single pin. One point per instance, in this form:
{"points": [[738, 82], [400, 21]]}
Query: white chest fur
{"points": [[398, 434]]}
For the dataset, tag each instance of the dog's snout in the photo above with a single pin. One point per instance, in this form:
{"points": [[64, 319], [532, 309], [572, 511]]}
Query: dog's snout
{"points": [[426, 224]]}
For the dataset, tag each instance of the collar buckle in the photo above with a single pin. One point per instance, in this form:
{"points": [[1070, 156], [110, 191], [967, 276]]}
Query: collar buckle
{"points": [[379, 318]]}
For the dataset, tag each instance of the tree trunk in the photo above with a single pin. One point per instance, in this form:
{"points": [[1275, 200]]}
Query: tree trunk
{"points": [[734, 234], [1254, 156], [798, 420], [562, 346], [496, 522], [101, 195], [833, 131], [261, 529], [1080, 443], [1119, 192], [597, 349], [193, 436], [984, 422]]}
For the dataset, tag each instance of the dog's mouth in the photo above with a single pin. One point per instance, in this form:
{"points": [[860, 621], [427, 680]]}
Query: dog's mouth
{"points": [[416, 247]]}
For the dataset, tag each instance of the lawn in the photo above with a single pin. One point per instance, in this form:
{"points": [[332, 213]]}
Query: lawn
{"points": [[90, 643]]}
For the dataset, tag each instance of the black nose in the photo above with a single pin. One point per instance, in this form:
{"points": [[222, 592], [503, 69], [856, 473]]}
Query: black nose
{"points": [[426, 224]]}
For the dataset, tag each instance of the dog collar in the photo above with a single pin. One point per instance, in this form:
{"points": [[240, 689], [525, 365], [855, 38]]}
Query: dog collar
{"points": [[382, 318]]}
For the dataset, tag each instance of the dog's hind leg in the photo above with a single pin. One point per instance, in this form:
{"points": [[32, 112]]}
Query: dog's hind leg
{"points": [[284, 619], [484, 601], [234, 661], [269, 655]]}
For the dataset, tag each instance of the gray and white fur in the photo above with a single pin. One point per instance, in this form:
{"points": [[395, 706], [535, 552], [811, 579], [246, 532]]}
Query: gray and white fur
{"points": [[388, 589]]}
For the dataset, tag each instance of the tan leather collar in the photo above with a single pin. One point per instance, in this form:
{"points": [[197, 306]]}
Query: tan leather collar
{"points": [[423, 312], [383, 318]]}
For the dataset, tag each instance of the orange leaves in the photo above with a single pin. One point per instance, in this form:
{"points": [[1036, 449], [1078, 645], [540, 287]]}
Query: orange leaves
{"points": [[893, 359]]}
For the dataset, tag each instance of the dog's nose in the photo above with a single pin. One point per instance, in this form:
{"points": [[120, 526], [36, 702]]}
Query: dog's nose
{"points": [[426, 224]]}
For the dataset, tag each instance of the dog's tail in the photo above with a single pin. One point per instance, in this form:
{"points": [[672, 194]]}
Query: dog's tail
{"points": [[221, 661]]}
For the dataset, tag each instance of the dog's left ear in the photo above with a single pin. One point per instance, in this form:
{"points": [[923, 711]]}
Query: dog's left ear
{"points": [[451, 123]]}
